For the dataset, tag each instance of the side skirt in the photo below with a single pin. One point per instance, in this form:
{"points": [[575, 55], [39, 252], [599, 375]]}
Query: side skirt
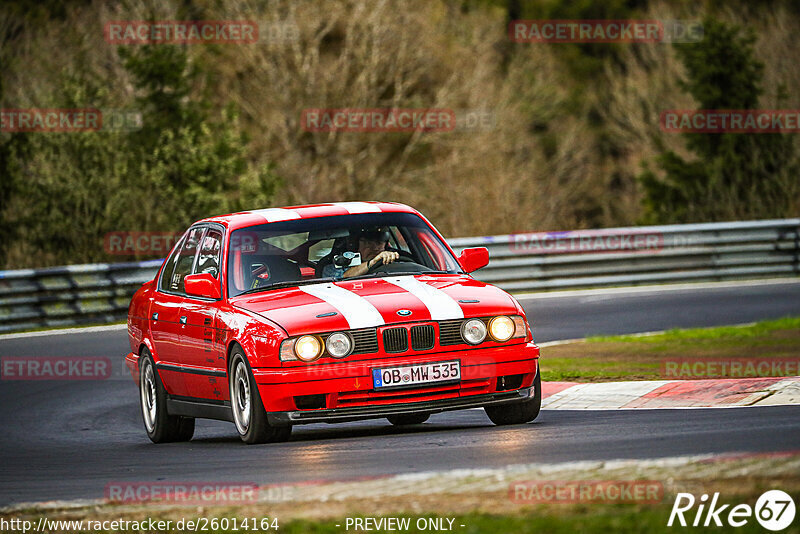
{"points": [[202, 408]]}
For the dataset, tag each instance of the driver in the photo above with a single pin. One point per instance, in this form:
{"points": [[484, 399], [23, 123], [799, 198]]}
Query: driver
{"points": [[372, 247]]}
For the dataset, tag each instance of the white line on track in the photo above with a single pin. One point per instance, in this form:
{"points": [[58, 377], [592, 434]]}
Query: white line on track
{"points": [[63, 331]]}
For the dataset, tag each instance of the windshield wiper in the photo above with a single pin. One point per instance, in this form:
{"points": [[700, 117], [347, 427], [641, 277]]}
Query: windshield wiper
{"points": [[288, 283]]}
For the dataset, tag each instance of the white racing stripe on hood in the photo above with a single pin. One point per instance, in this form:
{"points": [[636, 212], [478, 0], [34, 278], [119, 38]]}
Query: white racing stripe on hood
{"points": [[277, 214], [440, 305], [357, 311], [358, 207]]}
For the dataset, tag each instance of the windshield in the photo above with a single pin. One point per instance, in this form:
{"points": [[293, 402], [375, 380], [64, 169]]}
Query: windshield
{"points": [[333, 248]]}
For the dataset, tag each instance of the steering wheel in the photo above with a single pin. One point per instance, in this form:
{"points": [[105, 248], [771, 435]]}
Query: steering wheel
{"points": [[404, 258]]}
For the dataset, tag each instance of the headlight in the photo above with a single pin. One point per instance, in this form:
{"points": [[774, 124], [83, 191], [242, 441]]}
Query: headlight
{"points": [[338, 345], [473, 331], [307, 348], [501, 328]]}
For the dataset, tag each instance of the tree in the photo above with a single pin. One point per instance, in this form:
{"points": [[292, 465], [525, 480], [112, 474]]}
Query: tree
{"points": [[733, 176], [73, 188]]}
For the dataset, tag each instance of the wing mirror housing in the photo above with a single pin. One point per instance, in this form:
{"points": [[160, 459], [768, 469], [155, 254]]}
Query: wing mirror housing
{"points": [[202, 285], [472, 259]]}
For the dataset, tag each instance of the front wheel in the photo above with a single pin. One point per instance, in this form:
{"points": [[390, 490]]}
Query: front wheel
{"points": [[518, 412], [249, 415], [160, 426]]}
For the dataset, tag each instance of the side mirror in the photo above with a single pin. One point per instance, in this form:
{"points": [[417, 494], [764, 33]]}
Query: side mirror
{"points": [[472, 259], [201, 285]]}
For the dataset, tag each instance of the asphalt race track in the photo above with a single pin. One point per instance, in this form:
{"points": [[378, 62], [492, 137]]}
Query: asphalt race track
{"points": [[68, 440], [642, 310]]}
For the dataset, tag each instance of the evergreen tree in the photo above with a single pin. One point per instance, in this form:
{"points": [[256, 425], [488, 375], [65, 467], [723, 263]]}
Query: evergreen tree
{"points": [[180, 166], [732, 176]]}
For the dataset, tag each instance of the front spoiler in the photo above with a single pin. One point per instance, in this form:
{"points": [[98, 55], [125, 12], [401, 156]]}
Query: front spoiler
{"points": [[357, 413]]}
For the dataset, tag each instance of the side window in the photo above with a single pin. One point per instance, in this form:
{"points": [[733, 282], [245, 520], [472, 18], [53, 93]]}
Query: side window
{"points": [[169, 267], [185, 260], [208, 261], [319, 250]]}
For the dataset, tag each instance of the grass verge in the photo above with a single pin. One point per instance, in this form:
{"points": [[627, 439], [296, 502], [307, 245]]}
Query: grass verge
{"points": [[602, 359]]}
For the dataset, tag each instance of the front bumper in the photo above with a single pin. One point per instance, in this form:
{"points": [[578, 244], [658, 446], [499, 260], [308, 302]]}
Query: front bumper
{"points": [[357, 413], [349, 385]]}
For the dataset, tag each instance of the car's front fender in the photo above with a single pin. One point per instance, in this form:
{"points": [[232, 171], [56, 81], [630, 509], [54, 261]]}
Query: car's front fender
{"points": [[259, 337]]}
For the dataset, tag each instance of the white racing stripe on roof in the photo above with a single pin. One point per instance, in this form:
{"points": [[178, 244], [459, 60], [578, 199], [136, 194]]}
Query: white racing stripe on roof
{"points": [[358, 207], [277, 214], [357, 311], [441, 305]]}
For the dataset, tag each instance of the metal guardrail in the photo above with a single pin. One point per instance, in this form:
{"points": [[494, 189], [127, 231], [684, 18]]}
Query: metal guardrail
{"points": [[100, 293], [675, 253], [64, 296]]}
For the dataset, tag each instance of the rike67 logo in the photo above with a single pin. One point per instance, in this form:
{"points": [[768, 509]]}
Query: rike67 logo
{"points": [[774, 510]]}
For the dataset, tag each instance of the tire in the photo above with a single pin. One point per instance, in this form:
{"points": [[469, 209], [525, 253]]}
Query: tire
{"points": [[520, 412], [249, 415], [408, 419], [159, 425]]}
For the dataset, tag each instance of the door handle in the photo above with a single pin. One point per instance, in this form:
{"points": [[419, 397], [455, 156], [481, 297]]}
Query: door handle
{"points": [[155, 316], [183, 320]]}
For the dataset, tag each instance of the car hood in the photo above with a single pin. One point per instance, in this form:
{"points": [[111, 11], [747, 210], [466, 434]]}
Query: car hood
{"points": [[372, 302]]}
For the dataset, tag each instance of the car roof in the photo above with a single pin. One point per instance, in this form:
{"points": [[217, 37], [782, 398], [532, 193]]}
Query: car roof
{"points": [[244, 219]]}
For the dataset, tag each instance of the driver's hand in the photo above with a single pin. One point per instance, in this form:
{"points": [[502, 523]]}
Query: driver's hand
{"points": [[386, 257]]}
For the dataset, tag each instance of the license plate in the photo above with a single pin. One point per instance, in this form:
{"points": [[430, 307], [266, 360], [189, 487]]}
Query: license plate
{"points": [[411, 375]]}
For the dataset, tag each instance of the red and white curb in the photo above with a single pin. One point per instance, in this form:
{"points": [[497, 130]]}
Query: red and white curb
{"points": [[712, 393]]}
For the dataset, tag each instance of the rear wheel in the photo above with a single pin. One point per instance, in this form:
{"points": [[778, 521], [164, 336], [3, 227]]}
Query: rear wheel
{"points": [[519, 412], [408, 419], [160, 426], [249, 415]]}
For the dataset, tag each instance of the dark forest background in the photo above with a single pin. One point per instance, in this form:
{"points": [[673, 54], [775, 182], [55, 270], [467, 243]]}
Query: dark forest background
{"points": [[573, 141]]}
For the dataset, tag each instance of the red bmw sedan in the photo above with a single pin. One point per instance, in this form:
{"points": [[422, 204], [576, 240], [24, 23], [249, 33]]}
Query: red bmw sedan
{"points": [[325, 313]]}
